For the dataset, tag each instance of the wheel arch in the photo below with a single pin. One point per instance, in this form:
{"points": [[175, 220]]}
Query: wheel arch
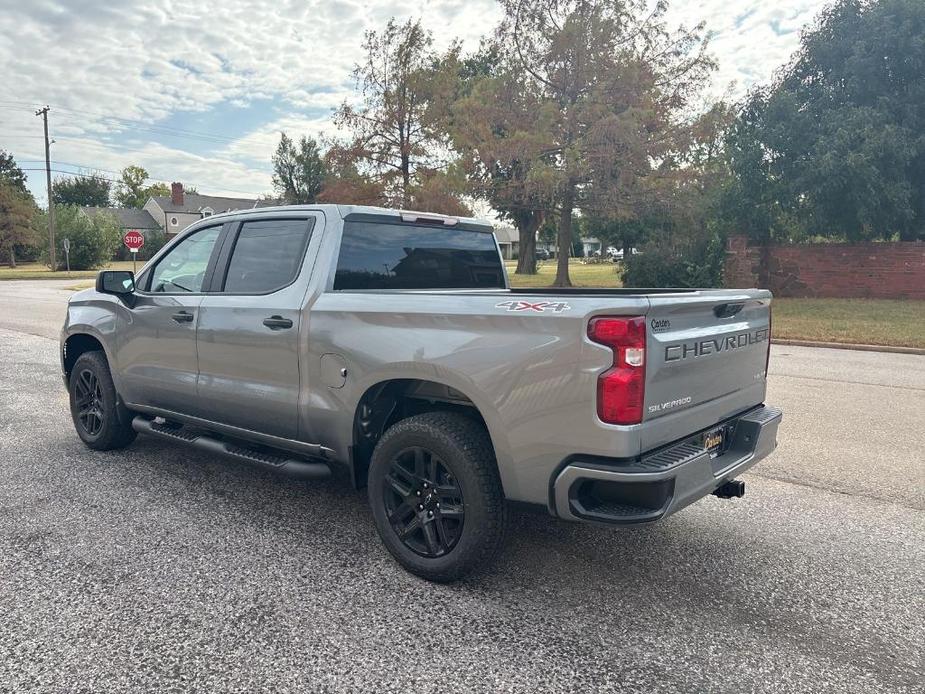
{"points": [[390, 400], [76, 344]]}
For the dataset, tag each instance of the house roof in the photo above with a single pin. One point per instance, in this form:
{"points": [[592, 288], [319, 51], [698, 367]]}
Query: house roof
{"points": [[506, 234], [194, 203], [128, 217]]}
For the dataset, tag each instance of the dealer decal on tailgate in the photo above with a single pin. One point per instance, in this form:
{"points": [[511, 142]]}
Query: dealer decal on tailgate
{"points": [[539, 306]]}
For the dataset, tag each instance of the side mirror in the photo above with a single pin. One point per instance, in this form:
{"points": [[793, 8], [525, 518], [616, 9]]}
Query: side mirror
{"points": [[118, 282]]}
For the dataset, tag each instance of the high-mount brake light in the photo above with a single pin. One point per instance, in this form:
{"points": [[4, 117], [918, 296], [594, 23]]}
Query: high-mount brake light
{"points": [[424, 219], [621, 389]]}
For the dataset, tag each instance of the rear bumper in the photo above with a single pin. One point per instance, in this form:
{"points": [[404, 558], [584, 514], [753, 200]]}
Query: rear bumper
{"points": [[621, 492]]}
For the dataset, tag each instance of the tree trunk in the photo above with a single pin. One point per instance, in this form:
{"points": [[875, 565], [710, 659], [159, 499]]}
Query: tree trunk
{"points": [[526, 234], [564, 238], [13, 257], [405, 178], [627, 250]]}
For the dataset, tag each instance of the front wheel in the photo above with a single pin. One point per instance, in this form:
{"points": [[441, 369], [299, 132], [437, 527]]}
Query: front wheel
{"points": [[436, 495], [95, 406]]}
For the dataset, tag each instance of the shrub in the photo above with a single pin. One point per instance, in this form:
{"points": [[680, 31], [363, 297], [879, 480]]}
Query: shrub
{"points": [[93, 240], [693, 263]]}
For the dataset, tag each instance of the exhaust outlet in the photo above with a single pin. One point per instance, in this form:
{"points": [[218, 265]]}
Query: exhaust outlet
{"points": [[731, 489]]}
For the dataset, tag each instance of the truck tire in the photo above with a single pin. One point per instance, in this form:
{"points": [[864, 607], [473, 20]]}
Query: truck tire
{"points": [[95, 408], [436, 496]]}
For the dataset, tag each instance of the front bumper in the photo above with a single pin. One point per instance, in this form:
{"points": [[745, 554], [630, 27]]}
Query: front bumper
{"points": [[620, 492]]}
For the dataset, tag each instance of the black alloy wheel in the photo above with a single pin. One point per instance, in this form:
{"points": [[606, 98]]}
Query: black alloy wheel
{"points": [[424, 503], [101, 421], [436, 496], [89, 402]]}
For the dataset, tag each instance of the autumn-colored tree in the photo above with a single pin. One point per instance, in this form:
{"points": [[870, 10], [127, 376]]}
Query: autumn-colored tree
{"points": [[493, 124], [439, 191], [345, 184], [17, 212], [611, 86], [392, 137]]}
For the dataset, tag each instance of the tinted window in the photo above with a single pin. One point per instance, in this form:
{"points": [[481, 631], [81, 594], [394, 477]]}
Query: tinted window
{"points": [[267, 255], [402, 256], [184, 267]]}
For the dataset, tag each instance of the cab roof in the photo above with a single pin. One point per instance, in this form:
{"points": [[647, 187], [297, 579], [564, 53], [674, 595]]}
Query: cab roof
{"points": [[371, 214]]}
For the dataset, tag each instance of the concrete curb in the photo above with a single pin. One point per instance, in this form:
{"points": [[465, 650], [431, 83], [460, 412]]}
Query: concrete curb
{"points": [[847, 345]]}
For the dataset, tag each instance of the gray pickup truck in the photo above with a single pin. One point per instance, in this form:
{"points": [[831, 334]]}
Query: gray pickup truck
{"points": [[390, 346]]}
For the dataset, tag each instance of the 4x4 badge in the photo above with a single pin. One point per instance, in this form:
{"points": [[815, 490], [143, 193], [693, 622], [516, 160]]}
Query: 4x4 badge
{"points": [[539, 306]]}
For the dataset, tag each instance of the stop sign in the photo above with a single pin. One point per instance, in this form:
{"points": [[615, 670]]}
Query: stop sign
{"points": [[133, 240]]}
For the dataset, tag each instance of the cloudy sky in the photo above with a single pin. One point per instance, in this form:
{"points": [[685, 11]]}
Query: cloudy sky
{"points": [[197, 91]]}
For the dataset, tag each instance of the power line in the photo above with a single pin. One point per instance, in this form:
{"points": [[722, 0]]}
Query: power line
{"points": [[74, 173], [149, 127], [90, 169], [97, 168], [160, 130]]}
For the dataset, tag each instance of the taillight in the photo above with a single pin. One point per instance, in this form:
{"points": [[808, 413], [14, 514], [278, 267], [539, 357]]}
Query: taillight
{"points": [[621, 389]]}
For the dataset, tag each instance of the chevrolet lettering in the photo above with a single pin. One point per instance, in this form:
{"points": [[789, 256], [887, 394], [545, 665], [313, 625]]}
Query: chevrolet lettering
{"points": [[702, 348]]}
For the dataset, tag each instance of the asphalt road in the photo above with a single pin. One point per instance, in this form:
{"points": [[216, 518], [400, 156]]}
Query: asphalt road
{"points": [[161, 569]]}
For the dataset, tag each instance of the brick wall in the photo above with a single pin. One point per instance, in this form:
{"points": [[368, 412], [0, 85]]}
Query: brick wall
{"points": [[863, 270]]}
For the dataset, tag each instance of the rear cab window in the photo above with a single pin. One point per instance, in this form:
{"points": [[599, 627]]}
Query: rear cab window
{"points": [[377, 255], [267, 255]]}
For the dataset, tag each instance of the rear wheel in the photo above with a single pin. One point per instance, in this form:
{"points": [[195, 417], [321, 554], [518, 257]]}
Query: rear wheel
{"points": [[95, 406], [436, 496]]}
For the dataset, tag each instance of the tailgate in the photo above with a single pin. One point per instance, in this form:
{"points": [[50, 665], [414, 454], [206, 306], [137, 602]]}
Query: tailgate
{"points": [[704, 346]]}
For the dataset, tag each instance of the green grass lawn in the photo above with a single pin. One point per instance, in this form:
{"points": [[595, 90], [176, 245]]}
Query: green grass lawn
{"points": [[596, 275], [38, 271], [857, 321], [854, 321]]}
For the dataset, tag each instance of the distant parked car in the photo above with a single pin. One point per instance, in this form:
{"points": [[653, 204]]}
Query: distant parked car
{"points": [[543, 254], [617, 253]]}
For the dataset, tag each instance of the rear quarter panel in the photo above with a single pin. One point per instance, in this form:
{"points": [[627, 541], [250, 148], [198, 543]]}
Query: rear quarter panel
{"points": [[531, 374]]}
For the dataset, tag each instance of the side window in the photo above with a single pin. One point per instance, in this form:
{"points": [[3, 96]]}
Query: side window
{"points": [[267, 255], [183, 269]]}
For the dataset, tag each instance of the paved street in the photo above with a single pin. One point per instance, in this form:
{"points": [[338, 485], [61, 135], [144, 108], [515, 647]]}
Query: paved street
{"points": [[35, 306], [161, 569]]}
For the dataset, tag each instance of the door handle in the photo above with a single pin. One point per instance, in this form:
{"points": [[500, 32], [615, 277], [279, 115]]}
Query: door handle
{"points": [[277, 323], [183, 317]]}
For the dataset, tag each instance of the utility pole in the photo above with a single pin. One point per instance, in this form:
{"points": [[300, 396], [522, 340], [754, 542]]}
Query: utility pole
{"points": [[43, 112]]}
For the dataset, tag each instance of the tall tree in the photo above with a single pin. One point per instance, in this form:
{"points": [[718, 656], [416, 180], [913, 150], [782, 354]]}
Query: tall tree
{"points": [[133, 189], [613, 86], [493, 122], [298, 171], [834, 146], [17, 211], [392, 136], [86, 190], [345, 184], [11, 173]]}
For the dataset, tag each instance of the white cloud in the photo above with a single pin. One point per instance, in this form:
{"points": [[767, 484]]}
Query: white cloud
{"points": [[750, 38], [147, 61]]}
